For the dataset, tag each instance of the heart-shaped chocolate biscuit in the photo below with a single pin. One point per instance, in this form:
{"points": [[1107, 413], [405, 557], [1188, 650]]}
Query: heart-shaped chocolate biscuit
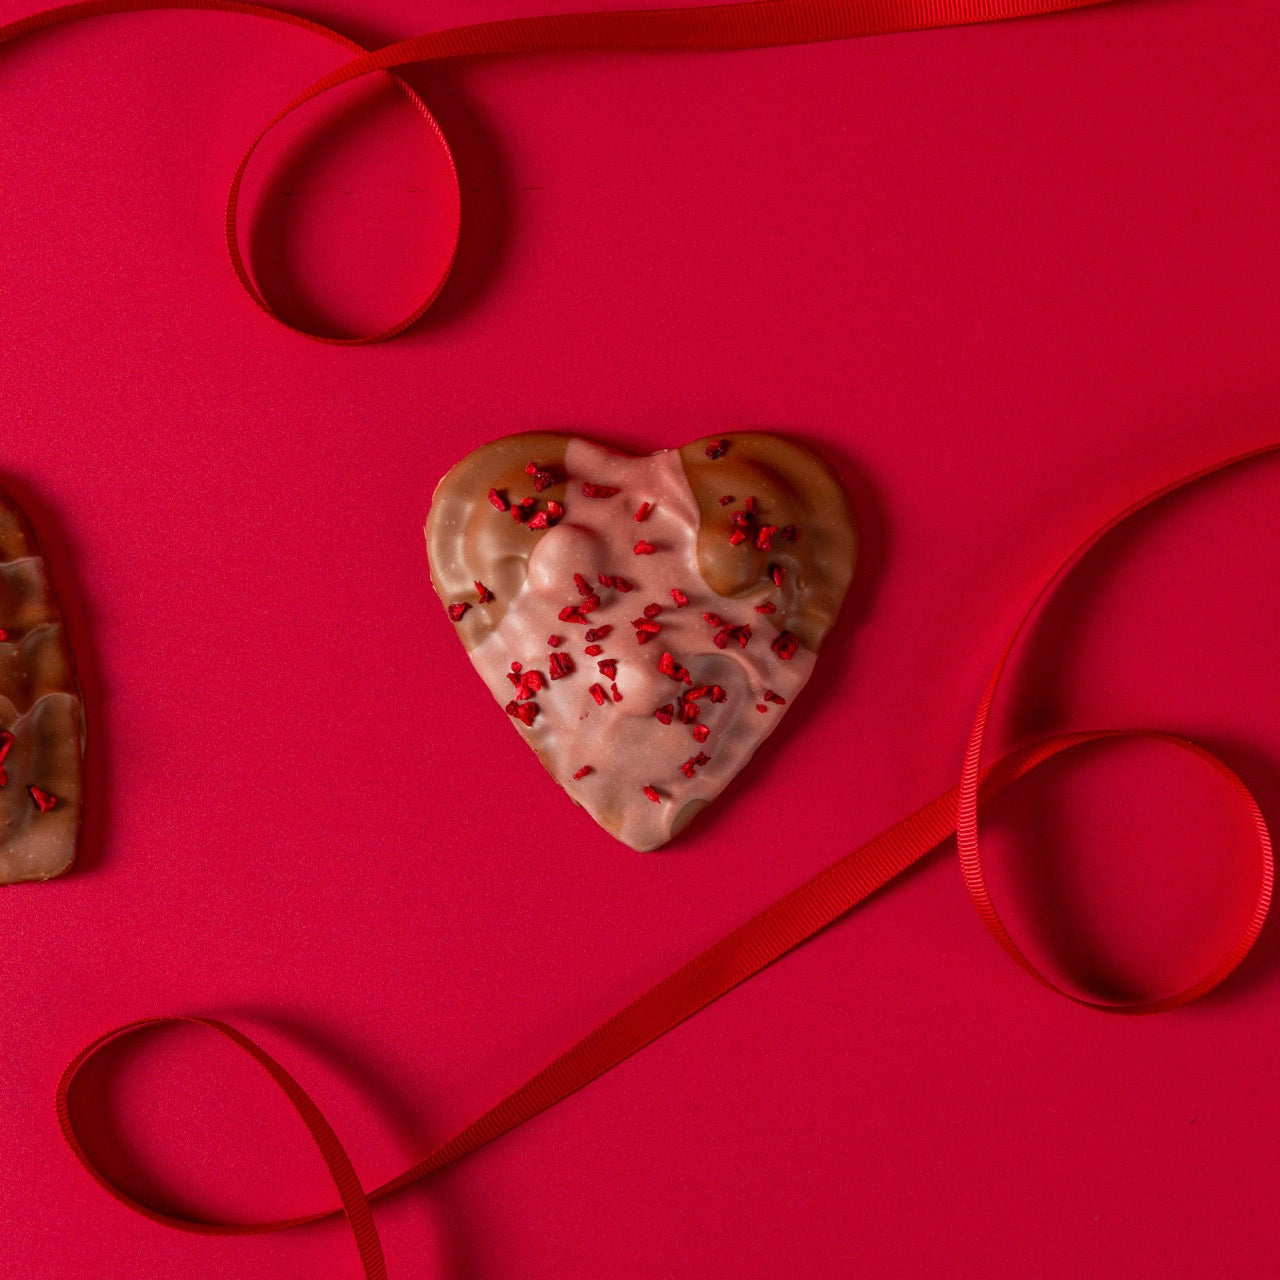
{"points": [[41, 717], [645, 621]]}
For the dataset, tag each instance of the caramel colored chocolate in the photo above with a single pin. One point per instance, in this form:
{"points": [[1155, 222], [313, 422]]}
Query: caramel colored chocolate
{"points": [[647, 620], [470, 541], [792, 487], [41, 715]]}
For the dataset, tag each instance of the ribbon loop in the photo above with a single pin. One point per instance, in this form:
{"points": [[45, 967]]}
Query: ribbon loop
{"points": [[453, 196], [354, 1200], [968, 807], [756, 24]]}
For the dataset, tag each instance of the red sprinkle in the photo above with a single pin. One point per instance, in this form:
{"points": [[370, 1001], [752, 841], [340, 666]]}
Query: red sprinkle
{"points": [[584, 772], [6, 741], [717, 449], [724, 502], [526, 685], [701, 733], [643, 548], [642, 511], [483, 592], [651, 793], [45, 800], [599, 490], [785, 646], [617, 697], [713, 619], [617, 583], [679, 597], [670, 667], [717, 693], [555, 641], [525, 712], [584, 587], [665, 714], [543, 519], [520, 510], [767, 607], [688, 767], [770, 696], [777, 573], [608, 668], [542, 479], [592, 649], [560, 665], [499, 500], [764, 538], [702, 758], [457, 610], [788, 533], [729, 632], [575, 613], [737, 537], [761, 707], [517, 666], [597, 633], [597, 692], [652, 610]]}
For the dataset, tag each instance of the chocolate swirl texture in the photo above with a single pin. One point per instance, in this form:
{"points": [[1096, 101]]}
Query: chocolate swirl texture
{"points": [[41, 715]]}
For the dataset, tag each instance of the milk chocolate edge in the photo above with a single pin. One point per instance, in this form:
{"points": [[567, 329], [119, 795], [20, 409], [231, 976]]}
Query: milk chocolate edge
{"points": [[18, 541], [799, 488], [461, 520]]}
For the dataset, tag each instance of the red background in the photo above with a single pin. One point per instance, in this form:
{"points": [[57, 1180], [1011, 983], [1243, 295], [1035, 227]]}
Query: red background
{"points": [[1008, 279]]}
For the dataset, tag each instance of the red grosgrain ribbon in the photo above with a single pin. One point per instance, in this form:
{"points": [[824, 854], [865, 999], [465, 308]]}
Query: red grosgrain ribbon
{"points": [[794, 919], [759, 25]]}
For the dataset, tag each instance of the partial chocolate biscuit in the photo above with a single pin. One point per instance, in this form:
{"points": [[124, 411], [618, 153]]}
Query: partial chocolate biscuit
{"points": [[41, 715]]}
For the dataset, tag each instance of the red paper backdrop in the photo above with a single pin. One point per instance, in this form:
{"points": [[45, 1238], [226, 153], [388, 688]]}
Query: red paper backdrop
{"points": [[1007, 279]]}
